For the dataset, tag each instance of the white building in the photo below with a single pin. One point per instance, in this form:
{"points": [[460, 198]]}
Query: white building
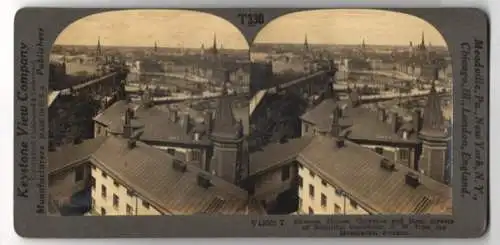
{"points": [[127, 177]]}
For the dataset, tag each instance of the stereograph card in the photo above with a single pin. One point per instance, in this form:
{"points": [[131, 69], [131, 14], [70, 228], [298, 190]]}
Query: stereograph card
{"points": [[251, 122]]}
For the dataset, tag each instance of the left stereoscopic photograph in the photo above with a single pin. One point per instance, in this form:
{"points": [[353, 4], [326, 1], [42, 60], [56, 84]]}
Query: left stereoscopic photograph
{"points": [[148, 111]]}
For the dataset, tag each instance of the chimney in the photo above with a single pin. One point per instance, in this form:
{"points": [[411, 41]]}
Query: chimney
{"points": [[185, 122], [127, 125], [207, 120], [227, 76], [335, 127], [412, 179], [417, 121], [179, 165], [132, 143], [386, 164], [394, 122], [339, 142], [173, 115], [77, 140], [203, 180], [381, 114], [52, 146]]}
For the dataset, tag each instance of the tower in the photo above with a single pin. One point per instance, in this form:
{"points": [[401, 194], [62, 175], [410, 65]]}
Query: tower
{"points": [[98, 52], [411, 50], [306, 44], [202, 50], [214, 46], [363, 45], [422, 43], [227, 137], [335, 127], [156, 47], [98, 49], [434, 137]]}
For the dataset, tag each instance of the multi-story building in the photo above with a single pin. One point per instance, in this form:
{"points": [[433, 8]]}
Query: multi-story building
{"points": [[128, 177]]}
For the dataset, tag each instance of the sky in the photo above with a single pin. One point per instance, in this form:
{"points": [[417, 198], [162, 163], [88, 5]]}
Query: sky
{"points": [[170, 28], [351, 26], [190, 29]]}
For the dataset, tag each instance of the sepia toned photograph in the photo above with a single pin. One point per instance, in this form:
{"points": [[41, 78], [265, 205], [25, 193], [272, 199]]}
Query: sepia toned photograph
{"points": [[173, 112], [351, 114], [148, 113]]}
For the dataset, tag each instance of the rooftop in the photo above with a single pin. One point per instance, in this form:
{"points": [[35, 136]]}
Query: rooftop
{"points": [[150, 173], [158, 125], [361, 123], [357, 171]]}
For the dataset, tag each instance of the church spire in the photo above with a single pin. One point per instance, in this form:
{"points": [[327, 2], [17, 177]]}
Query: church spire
{"points": [[306, 44], [98, 49], [156, 47], [214, 47], [433, 115], [363, 45], [422, 44]]}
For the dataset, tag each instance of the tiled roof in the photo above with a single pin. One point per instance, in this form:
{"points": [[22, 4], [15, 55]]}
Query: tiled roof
{"points": [[72, 153], [361, 123], [357, 171], [367, 127], [157, 124], [275, 154], [149, 172], [321, 114]]}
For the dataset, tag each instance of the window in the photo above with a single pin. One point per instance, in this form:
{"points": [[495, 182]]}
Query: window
{"points": [[115, 183], [354, 204], [79, 173], [311, 211], [323, 200], [323, 182], [311, 173], [403, 154], [104, 175], [196, 155], [379, 150], [311, 191], [130, 211], [92, 182], [130, 193], [116, 201], [337, 209], [300, 181], [145, 204], [285, 173], [103, 191], [338, 192], [103, 211]]}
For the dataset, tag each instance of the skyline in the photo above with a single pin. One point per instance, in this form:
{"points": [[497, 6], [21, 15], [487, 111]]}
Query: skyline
{"points": [[376, 27], [142, 28]]}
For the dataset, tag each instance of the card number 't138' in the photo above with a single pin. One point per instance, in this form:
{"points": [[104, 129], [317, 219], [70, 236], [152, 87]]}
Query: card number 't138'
{"points": [[251, 19]]}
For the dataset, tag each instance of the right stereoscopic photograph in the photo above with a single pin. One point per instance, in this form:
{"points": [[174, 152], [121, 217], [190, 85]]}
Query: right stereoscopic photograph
{"points": [[350, 114]]}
